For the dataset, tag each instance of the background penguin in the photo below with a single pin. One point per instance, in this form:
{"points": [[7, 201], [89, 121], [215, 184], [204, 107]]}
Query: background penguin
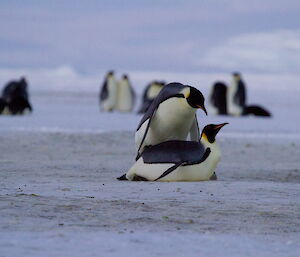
{"points": [[126, 95], [171, 116], [218, 98], [150, 92], [179, 160], [236, 96], [15, 97], [232, 100], [108, 93]]}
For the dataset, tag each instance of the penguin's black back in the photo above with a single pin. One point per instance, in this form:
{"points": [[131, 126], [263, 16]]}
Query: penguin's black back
{"points": [[15, 89], [104, 91], [175, 151], [18, 105], [218, 97]]}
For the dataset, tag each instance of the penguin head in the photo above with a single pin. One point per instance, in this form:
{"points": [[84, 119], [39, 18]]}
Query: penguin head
{"points": [[125, 77], [195, 98], [110, 73], [236, 76], [210, 131]]}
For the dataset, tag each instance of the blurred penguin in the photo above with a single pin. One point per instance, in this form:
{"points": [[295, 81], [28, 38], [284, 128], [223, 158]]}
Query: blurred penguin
{"points": [[150, 92], [108, 93], [15, 98], [218, 98], [236, 96], [126, 95]]}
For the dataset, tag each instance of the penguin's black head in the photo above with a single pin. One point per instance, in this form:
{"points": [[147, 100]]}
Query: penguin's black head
{"points": [[236, 75], [125, 76], [110, 73], [211, 130], [195, 99]]}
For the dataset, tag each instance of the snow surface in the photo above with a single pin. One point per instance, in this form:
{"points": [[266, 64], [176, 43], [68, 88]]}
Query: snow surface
{"points": [[59, 195]]}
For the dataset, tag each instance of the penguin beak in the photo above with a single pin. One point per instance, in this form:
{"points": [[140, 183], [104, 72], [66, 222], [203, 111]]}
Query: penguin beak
{"points": [[202, 108], [218, 127]]}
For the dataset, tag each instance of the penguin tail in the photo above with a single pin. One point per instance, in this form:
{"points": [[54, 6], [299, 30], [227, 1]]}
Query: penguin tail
{"points": [[123, 177]]}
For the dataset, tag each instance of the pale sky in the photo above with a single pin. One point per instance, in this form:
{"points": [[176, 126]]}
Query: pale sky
{"points": [[209, 35]]}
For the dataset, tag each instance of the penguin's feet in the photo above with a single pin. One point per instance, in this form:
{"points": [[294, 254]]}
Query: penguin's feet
{"points": [[213, 176]]}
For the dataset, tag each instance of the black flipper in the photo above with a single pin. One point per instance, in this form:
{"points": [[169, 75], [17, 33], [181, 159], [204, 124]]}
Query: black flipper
{"points": [[139, 178], [123, 177], [168, 171]]}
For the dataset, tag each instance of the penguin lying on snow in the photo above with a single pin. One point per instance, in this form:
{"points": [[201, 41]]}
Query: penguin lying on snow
{"points": [[15, 98], [171, 116], [150, 92], [179, 160]]}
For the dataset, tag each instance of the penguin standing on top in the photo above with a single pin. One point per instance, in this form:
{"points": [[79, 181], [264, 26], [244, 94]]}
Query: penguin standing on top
{"points": [[179, 160], [236, 96], [126, 95], [171, 116], [109, 93], [15, 98], [150, 92]]}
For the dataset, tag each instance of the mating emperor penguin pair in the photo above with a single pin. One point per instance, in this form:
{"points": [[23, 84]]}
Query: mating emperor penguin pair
{"points": [[163, 154], [117, 95]]}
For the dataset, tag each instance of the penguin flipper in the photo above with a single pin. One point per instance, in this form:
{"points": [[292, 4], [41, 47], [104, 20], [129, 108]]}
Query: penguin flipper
{"points": [[139, 178], [194, 131], [144, 135], [123, 177], [168, 171]]}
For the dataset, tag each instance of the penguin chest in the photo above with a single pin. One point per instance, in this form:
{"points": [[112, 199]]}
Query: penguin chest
{"points": [[172, 120], [124, 98]]}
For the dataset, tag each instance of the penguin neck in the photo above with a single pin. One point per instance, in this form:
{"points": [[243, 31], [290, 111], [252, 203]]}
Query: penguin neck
{"points": [[110, 80], [232, 107], [213, 146]]}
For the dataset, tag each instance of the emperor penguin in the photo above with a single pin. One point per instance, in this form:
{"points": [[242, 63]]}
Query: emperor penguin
{"points": [[16, 98], [236, 96], [150, 92], [108, 93], [171, 116], [177, 160], [218, 98], [126, 95]]}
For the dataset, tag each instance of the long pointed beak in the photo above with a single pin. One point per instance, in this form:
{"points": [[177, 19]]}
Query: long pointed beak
{"points": [[218, 127], [202, 108]]}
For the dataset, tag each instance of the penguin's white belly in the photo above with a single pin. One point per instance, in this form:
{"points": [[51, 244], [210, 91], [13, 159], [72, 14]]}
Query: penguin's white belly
{"points": [[232, 108], [109, 103], [172, 121], [125, 100]]}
